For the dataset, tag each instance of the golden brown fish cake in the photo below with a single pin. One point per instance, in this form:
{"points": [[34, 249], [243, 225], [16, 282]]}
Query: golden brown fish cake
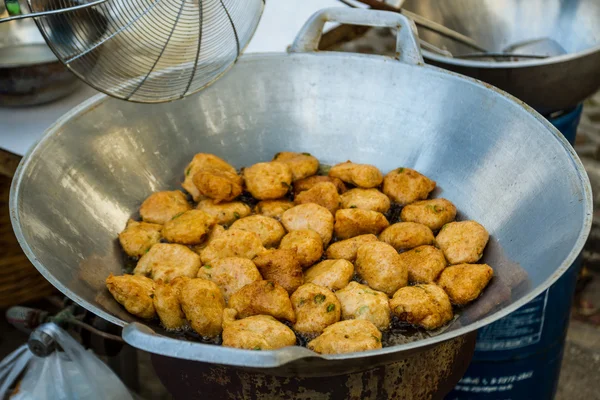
{"points": [[361, 175], [324, 194], [424, 263], [167, 261], [309, 216], [348, 336], [425, 305], [167, 305], [161, 207], [366, 199], [281, 266], [230, 274], [379, 265], [214, 232], [259, 332], [361, 302], [302, 165], [268, 180], [269, 230], [407, 235], [200, 161], [273, 208], [190, 227], [203, 305], [346, 249], [224, 213], [217, 184], [464, 282], [232, 243], [352, 222], [306, 183], [263, 298], [307, 244], [332, 274], [463, 242], [138, 237], [434, 213], [405, 185], [316, 308], [134, 292]]}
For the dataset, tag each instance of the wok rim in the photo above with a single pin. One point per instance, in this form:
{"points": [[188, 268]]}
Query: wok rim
{"points": [[587, 200]]}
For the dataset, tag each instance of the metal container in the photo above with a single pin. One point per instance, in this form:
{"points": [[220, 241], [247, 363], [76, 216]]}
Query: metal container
{"points": [[501, 163], [548, 85]]}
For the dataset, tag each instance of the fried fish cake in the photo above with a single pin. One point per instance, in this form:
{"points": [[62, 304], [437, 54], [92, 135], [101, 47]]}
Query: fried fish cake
{"points": [[361, 302], [425, 305], [361, 175], [161, 207], [138, 237], [230, 274], [167, 261], [407, 235], [190, 227], [346, 249], [273, 208], [258, 332], [405, 186], [306, 183], [379, 265], [263, 298], [217, 184], [463, 242], [307, 244], [167, 305], [433, 213], [302, 165], [349, 336], [424, 263], [464, 282], [324, 194], [224, 213], [309, 216], [366, 199], [203, 305], [332, 274], [200, 161], [281, 266], [316, 308], [232, 243], [269, 230], [354, 222], [134, 292], [268, 180]]}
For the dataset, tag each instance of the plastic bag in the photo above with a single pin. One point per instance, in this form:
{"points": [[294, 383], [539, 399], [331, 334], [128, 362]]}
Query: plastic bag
{"points": [[69, 375]]}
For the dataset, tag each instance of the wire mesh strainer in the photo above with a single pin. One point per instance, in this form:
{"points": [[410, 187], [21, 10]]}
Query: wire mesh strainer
{"points": [[145, 50]]}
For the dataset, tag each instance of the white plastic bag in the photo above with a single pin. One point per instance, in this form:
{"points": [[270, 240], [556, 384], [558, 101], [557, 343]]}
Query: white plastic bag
{"points": [[70, 375]]}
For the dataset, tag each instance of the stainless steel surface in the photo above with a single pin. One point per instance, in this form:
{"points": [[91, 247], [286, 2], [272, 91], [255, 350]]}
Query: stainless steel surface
{"points": [[550, 84], [44, 13], [501, 163], [143, 51], [29, 72]]}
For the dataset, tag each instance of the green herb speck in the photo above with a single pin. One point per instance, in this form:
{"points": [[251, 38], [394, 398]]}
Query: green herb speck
{"points": [[362, 310], [301, 302], [257, 348], [376, 338], [187, 171], [306, 154], [287, 185], [400, 170], [270, 284], [207, 266], [330, 307], [236, 214], [417, 251], [352, 206], [177, 216], [319, 298]]}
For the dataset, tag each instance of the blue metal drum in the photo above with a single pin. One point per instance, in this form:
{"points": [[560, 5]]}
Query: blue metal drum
{"points": [[519, 356]]}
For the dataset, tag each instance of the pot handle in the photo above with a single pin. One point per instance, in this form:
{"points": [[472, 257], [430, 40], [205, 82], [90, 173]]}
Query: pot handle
{"points": [[142, 337], [407, 47]]}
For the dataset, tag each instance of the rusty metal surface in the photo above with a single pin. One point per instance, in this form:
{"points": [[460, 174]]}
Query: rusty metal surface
{"points": [[428, 374]]}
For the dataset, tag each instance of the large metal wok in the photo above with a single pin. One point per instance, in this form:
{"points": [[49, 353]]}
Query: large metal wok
{"points": [[501, 163], [550, 84]]}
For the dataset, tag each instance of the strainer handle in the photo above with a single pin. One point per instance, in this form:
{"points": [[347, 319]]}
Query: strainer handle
{"points": [[15, 9], [407, 46]]}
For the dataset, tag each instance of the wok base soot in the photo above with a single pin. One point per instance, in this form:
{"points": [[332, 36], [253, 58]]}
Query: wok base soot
{"points": [[428, 374]]}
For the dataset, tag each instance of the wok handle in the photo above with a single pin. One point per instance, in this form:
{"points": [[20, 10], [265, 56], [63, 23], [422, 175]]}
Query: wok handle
{"points": [[407, 46], [142, 337]]}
